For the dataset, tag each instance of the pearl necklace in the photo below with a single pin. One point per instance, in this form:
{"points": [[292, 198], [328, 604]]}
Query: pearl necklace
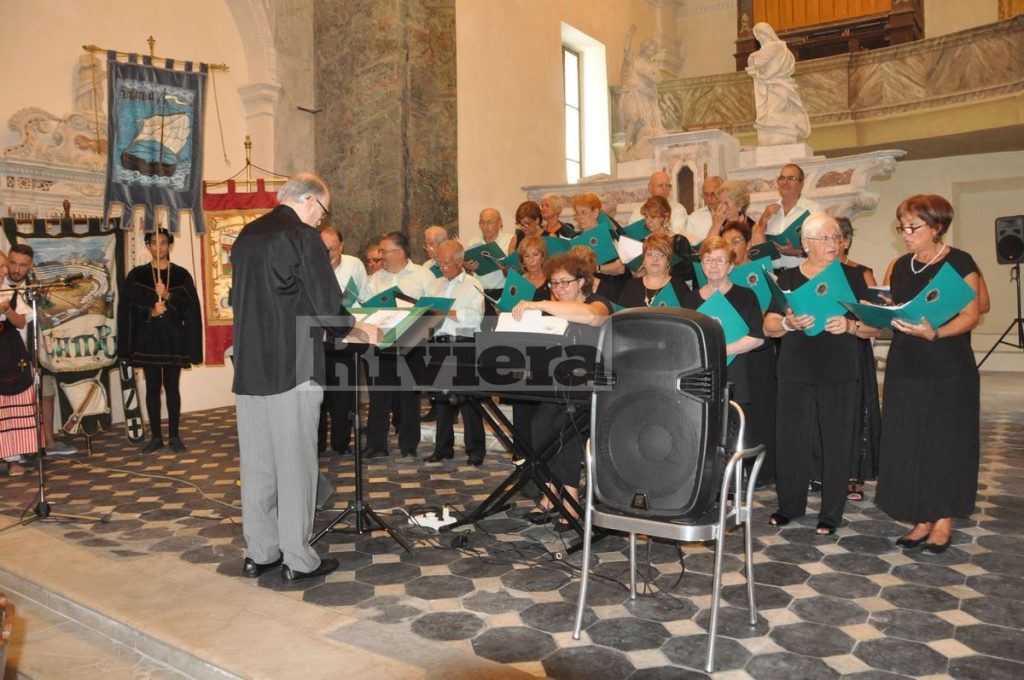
{"points": [[930, 262]]}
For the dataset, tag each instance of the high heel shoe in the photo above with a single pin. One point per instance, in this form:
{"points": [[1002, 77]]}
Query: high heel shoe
{"points": [[937, 548]]}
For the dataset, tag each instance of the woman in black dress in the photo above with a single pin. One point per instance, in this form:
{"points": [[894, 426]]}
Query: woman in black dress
{"points": [[159, 331], [657, 218], [655, 274], [818, 386], [930, 407], [571, 280]]}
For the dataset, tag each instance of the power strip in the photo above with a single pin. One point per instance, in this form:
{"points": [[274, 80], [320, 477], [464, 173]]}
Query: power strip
{"points": [[432, 521]]}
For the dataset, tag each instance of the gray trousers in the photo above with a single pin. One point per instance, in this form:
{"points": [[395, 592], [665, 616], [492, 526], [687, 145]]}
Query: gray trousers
{"points": [[277, 443]]}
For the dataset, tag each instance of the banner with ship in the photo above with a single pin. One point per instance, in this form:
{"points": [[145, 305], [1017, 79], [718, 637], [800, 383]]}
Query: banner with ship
{"points": [[154, 169]]}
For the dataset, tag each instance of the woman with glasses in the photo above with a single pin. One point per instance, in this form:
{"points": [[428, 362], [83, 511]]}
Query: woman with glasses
{"points": [[737, 234], [930, 407], [528, 221], [613, 275], [655, 274], [571, 281], [733, 201], [657, 215], [818, 386]]}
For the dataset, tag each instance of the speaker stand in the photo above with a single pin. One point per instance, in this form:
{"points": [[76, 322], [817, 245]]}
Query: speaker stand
{"points": [[1017, 323]]}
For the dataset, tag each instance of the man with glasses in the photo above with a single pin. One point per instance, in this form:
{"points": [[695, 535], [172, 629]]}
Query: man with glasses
{"points": [[433, 237], [660, 184], [700, 221], [791, 208], [412, 280], [282, 281]]}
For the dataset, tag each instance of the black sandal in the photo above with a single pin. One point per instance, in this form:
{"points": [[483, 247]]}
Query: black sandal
{"points": [[538, 516], [778, 520], [825, 529], [855, 490]]}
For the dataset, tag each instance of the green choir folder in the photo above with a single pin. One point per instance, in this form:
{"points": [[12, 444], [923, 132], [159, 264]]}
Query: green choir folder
{"points": [[436, 271], [393, 322], [751, 275], [440, 304], [385, 298], [721, 310], [943, 298], [766, 249], [666, 297], [791, 236], [638, 230], [821, 297], [600, 241], [487, 256], [350, 296], [557, 246], [516, 288]]}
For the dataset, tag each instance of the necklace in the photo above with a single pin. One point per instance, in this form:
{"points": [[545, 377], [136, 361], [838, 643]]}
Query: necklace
{"points": [[651, 293], [930, 262]]}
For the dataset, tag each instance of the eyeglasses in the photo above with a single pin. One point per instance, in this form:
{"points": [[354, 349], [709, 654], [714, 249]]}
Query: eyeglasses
{"points": [[789, 178], [327, 213], [836, 238], [910, 228], [736, 241], [714, 260], [554, 283]]}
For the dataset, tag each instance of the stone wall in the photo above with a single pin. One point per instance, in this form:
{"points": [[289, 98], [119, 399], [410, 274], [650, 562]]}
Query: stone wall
{"points": [[386, 134]]}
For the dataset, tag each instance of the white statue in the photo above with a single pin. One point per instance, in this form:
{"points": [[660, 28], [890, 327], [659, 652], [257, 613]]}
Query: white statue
{"points": [[781, 116], [638, 102]]}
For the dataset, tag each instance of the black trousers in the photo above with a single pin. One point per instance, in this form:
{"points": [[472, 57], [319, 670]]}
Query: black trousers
{"points": [[389, 372], [566, 464], [165, 378], [472, 429], [822, 416], [339, 402]]}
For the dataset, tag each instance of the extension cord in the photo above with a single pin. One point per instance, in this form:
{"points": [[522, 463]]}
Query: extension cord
{"points": [[431, 520]]}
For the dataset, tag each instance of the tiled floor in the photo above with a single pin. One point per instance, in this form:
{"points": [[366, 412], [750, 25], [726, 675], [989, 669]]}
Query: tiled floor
{"points": [[849, 605]]}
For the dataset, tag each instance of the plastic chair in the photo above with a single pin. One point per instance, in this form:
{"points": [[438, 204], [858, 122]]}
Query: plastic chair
{"points": [[731, 513]]}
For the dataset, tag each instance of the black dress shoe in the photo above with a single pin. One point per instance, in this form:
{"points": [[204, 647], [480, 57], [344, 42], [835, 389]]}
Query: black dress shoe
{"points": [[252, 568], [177, 445], [408, 454], [778, 520], [908, 543], [327, 565], [374, 453], [153, 446], [476, 461], [437, 457], [937, 548]]}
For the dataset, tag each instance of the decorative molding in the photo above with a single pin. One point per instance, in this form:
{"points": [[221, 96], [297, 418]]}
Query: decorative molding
{"points": [[689, 8], [260, 99]]}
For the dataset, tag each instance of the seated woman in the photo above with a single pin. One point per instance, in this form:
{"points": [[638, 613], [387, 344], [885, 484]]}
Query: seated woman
{"points": [[613, 275], [571, 280], [655, 274], [657, 217], [733, 201]]}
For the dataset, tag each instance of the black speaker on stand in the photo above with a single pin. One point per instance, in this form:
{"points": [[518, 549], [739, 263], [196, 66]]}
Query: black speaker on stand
{"points": [[660, 433], [1010, 250]]}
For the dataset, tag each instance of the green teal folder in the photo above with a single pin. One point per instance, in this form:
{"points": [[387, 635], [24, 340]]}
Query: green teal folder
{"points": [[638, 230], [616, 307], [721, 310], [698, 271], [791, 236], [383, 299], [436, 271], [762, 250], [821, 297], [879, 295], [942, 299], [440, 304], [516, 288], [604, 221], [350, 296], [512, 261], [392, 334], [635, 264], [751, 275], [599, 240], [666, 297], [487, 256], [556, 246]]}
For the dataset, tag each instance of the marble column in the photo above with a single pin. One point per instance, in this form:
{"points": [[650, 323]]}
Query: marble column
{"points": [[386, 132]]}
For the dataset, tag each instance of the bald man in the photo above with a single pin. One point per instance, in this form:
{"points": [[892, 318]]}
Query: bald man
{"points": [[698, 224], [433, 237], [660, 184]]}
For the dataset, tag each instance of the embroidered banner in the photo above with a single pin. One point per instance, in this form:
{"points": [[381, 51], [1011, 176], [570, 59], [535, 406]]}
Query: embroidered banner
{"points": [[77, 319], [155, 157], [225, 214]]}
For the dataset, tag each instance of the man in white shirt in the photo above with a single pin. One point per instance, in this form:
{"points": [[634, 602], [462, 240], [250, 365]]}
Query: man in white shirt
{"points": [[412, 280], [791, 208], [700, 221], [339, 402], [432, 238], [462, 322], [19, 263], [661, 185], [491, 231]]}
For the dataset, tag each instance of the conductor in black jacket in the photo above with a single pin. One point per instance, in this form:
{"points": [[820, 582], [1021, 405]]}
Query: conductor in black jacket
{"points": [[283, 292]]}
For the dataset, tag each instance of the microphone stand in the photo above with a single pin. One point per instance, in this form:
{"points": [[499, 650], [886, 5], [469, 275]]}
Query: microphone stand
{"points": [[42, 510]]}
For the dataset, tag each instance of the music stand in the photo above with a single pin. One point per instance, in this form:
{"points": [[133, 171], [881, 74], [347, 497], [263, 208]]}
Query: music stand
{"points": [[42, 509], [365, 516]]}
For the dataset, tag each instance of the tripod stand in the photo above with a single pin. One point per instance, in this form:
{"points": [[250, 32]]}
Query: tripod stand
{"points": [[1017, 323], [366, 518], [31, 293]]}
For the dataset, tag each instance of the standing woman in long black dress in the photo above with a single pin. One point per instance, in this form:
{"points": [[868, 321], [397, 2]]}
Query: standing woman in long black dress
{"points": [[160, 332], [930, 447]]}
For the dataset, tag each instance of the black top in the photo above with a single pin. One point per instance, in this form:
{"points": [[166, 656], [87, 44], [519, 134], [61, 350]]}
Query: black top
{"points": [[914, 357], [825, 357], [282, 274], [636, 294], [684, 268], [745, 302], [174, 338]]}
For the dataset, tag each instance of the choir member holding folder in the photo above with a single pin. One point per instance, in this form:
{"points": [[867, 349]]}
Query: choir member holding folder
{"points": [[818, 382], [930, 408]]}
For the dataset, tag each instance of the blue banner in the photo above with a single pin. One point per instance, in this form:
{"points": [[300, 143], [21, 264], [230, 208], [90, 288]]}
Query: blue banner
{"points": [[155, 156]]}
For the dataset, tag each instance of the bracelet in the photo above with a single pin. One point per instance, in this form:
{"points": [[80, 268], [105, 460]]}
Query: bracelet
{"points": [[935, 334], [785, 325]]}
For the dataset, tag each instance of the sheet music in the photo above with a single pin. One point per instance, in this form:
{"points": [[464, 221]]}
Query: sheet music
{"points": [[386, 319], [629, 248], [533, 321]]}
